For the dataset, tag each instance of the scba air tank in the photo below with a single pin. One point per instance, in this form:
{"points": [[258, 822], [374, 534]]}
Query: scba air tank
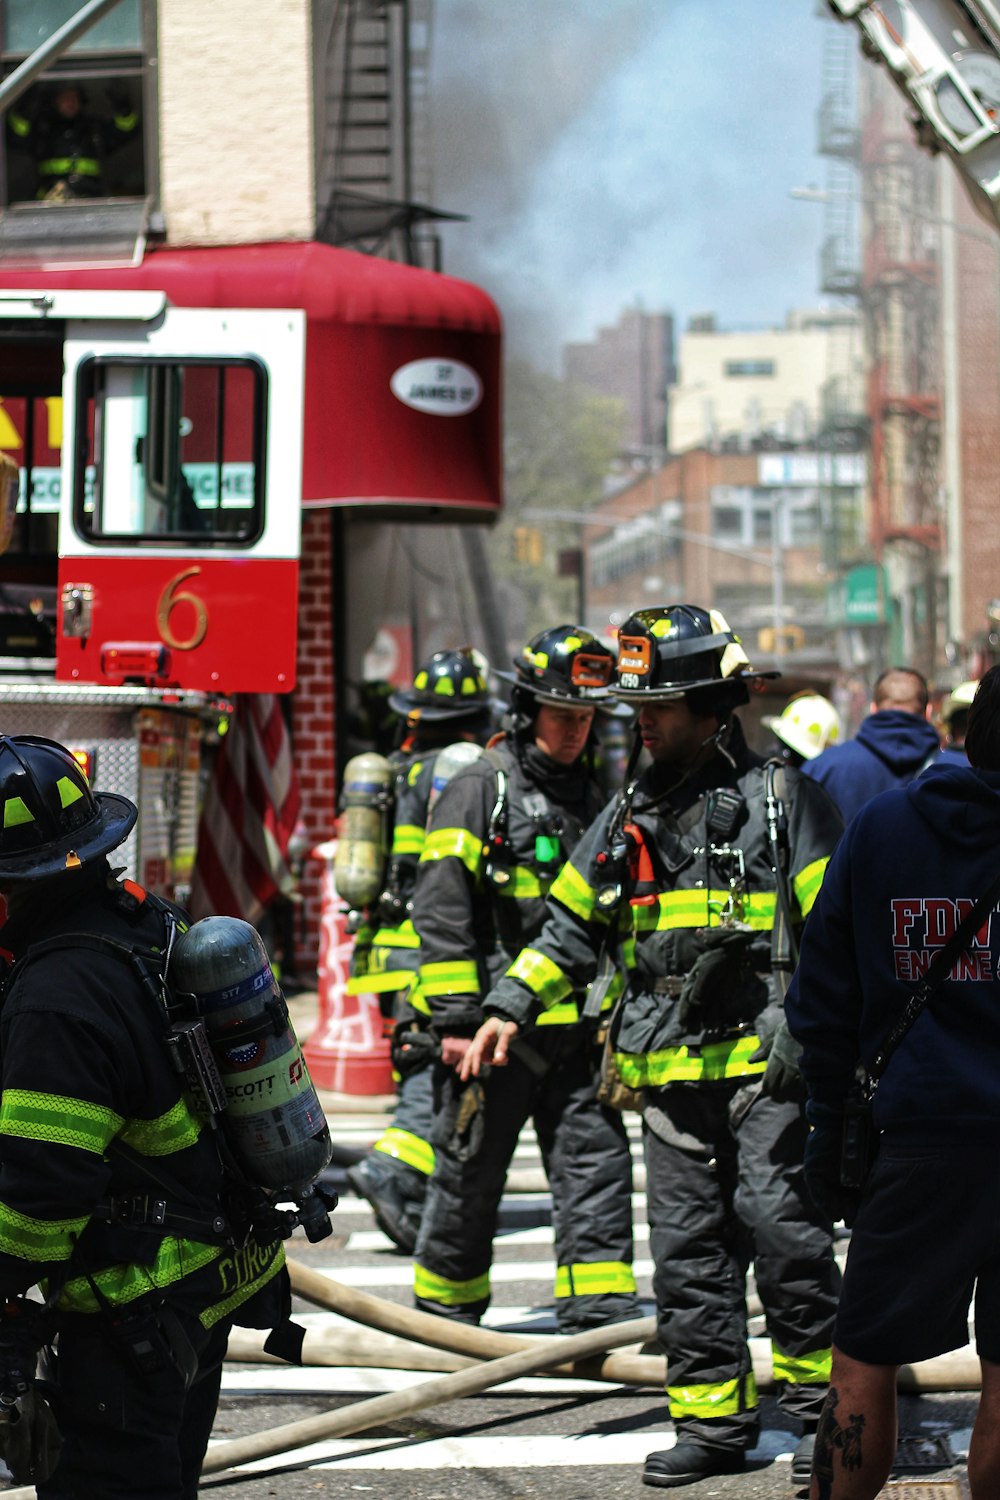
{"points": [[448, 763], [362, 836], [273, 1118]]}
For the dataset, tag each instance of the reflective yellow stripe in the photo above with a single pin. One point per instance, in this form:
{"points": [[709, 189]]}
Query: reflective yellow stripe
{"points": [[20, 124], [701, 909], [571, 890], [408, 1148], [408, 838], [458, 976], [175, 1259], [379, 984], [38, 1239], [559, 1015], [594, 1278], [804, 1369], [126, 122], [59, 1119], [250, 1268], [807, 883], [403, 936], [523, 884], [454, 843], [83, 166], [726, 1399], [713, 1061], [544, 979], [449, 1293], [174, 1130]]}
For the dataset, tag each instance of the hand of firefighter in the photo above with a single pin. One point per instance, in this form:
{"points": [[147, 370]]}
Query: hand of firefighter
{"points": [[823, 1149], [489, 1046], [782, 1080]]}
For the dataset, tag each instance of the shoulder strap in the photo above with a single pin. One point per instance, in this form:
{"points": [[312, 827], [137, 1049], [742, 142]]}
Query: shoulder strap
{"points": [[784, 945], [937, 972]]}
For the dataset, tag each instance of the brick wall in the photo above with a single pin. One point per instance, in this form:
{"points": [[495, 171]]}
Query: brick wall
{"points": [[313, 709]]}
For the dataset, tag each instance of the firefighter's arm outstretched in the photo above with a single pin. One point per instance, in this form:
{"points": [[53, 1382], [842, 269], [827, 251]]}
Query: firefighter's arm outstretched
{"points": [[562, 960]]}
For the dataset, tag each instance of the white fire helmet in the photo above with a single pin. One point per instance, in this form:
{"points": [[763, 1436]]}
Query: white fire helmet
{"points": [[807, 725]]}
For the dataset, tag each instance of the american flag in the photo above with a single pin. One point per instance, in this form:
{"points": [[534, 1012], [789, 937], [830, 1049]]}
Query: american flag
{"points": [[250, 811]]}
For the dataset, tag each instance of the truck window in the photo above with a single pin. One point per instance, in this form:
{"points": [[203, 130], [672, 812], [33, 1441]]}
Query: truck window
{"points": [[170, 451]]}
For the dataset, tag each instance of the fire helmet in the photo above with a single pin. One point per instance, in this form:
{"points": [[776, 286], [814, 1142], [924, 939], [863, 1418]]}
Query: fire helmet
{"points": [[959, 700], [449, 685], [807, 725], [566, 666], [52, 821], [680, 649]]}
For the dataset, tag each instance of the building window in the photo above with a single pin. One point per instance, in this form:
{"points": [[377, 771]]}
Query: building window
{"points": [[173, 452], [83, 132], [727, 523], [759, 367]]}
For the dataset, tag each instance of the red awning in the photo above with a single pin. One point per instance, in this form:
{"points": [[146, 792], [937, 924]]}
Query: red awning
{"points": [[402, 403]]}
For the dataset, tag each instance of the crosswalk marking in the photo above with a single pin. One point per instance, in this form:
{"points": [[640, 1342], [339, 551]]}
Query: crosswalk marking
{"points": [[401, 1274]]}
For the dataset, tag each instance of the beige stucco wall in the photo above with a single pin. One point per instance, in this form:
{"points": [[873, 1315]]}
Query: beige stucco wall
{"points": [[236, 120]]}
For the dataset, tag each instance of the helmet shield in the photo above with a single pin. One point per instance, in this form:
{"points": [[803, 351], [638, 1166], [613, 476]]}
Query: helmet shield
{"points": [[449, 685], [668, 652], [566, 666], [52, 821]]}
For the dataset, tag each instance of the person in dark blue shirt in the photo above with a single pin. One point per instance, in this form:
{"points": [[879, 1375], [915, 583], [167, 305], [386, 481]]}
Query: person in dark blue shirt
{"points": [[925, 1230], [894, 744]]}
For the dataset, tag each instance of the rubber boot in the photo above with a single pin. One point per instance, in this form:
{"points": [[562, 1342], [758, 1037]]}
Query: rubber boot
{"points": [[688, 1462], [396, 1201]]}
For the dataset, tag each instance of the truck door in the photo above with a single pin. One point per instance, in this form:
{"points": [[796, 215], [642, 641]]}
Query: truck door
{"points": [[180, 500]]}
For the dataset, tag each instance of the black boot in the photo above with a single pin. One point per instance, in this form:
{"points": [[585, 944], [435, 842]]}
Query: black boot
{"points": [[688, 1462], [802, 1458], [395, 1202]]}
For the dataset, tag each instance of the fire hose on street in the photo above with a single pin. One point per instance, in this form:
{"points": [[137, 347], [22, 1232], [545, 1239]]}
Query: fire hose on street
{"points": [[487, 1359]]}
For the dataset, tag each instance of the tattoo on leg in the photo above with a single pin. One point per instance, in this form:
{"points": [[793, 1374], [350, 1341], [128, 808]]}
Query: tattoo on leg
{"points": [[831, 1437]]}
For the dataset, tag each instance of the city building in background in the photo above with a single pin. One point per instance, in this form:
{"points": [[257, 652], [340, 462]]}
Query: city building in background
{"points": [[631, 362], [744, 388]]}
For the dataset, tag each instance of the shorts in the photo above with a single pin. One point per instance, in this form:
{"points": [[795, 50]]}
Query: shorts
{"points": [[926, 1236]]}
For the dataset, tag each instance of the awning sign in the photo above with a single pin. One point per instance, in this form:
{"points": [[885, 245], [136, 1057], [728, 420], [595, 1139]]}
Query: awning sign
{"points": [[444, 388]]}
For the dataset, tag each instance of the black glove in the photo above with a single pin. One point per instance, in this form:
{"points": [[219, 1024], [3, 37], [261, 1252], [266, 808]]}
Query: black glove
{"points": [[824, 1146], [782, 1079]]}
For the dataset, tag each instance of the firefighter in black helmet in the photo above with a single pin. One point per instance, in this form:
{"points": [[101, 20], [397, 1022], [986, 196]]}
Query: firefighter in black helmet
{"points": [[499, 835], [695, 881], [448, 702], [110, 1179]]}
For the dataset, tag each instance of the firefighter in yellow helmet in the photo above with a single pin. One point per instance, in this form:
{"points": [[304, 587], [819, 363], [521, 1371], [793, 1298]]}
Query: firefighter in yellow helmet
{"points": [[805, 727], [694, 883]]}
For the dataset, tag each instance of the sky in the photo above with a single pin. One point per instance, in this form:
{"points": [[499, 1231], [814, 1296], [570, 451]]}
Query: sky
{"points": [[615, 153]]}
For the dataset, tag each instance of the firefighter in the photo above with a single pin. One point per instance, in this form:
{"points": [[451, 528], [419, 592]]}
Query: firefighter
{"points": [[111, 1183], [449, 701], [71, 143], [694, 881], [497, 838]]}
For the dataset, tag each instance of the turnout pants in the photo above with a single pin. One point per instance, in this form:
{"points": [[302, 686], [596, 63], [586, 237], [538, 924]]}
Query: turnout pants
{"points": [[585, 1153], [126, 1433], [718, 1198]]}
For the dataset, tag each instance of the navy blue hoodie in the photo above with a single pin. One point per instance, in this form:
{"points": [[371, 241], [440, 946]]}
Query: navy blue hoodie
{"points": [[908, 868], [889, 749]]}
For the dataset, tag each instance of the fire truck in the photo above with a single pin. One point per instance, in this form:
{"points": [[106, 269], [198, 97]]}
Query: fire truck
{"points": [[173, 423]]}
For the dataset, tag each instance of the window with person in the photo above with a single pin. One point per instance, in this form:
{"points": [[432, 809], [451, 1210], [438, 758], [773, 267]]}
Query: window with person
{"points": [[79, 132]]}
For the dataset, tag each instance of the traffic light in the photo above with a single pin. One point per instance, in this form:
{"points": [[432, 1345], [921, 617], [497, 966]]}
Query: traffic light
{"points": [[528, 545]]}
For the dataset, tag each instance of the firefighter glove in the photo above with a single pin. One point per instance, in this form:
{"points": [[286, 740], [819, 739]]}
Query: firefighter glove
{"points": [[29, 1438], [782, 1078]]}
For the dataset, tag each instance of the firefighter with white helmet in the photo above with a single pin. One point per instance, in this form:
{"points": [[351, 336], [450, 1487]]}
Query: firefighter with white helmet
{"points": [[498, 837], [694, 883], [805, 727], [448, 706], [114, 1195]]}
